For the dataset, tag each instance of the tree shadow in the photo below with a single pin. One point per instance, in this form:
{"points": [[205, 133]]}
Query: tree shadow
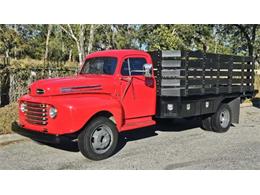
{"points": [[256, 102], [164, 125]]}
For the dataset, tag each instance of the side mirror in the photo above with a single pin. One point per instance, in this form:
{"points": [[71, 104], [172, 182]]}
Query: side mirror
{"points": [[148, 70]]}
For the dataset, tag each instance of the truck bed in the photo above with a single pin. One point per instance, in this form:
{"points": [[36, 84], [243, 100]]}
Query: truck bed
{"points": [[194, 73]]}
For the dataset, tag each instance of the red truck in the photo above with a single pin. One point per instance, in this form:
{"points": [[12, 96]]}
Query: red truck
{"points": [[121, 90]]}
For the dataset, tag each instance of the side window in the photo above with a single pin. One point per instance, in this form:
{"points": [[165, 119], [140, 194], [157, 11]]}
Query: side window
{"points": [[135, 65]]}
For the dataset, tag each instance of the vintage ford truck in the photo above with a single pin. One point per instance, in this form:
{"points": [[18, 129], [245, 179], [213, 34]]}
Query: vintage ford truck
{"points": [[121, 90]]}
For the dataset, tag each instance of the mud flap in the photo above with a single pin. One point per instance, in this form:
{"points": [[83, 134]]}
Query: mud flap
{"points": [[235, 110]]}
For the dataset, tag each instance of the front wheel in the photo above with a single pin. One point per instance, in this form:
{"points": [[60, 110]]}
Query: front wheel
{"points": [[99, 139]]}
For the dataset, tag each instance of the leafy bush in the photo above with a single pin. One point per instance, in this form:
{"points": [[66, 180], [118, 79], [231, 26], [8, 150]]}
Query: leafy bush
{"points": [[32, 63], [17, 75], [8, 114]]}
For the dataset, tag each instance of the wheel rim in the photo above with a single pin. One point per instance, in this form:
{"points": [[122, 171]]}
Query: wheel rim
{"points": [[101, 139], [224, 118]]}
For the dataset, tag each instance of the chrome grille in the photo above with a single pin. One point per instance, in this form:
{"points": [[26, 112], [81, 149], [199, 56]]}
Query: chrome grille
{"points": [[36, 113]]}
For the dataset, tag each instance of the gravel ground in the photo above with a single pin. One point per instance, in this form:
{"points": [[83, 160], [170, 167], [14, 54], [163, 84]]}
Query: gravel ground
{"points": [[170, 145]]}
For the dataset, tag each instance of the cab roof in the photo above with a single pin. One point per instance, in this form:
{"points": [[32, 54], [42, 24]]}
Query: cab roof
{"points": [[116, 53]]}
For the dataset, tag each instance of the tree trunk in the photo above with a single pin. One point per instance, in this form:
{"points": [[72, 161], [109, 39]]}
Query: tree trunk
{"points": [[80, 52], [47, 42], [108, 37], [70, 55], [15, 47], [81, 44], [91, 38], [7, 53], [79, 40], [250, 40], [114, 31], [250, 49]]}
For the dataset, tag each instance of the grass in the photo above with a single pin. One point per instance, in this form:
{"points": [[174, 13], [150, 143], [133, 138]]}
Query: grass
{"points": [[8, 114]]}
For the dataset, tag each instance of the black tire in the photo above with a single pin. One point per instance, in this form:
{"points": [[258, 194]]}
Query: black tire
{"points": [[87, 139], [206, 123], [219, 124]]}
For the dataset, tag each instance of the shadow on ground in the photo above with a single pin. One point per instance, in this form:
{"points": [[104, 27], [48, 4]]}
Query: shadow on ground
{"points": [[65, 144], [176, 125], [256, 102]]}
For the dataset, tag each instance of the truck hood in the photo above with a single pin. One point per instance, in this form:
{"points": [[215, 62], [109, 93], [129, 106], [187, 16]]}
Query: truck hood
{"points": [[72, 85]]}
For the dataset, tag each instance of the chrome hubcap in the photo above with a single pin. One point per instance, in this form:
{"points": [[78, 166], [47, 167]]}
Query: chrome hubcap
{"points": [[101, 139], [224, 118]]}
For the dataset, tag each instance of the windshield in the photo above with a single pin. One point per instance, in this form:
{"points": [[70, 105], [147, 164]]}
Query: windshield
{"points": [[99, 65]]}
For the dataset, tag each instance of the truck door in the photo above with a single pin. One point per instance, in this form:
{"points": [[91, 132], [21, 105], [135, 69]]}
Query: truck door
{"points": [[138, 93]]}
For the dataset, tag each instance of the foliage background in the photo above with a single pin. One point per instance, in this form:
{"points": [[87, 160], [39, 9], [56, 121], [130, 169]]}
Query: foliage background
{"points": [[71, 42]]}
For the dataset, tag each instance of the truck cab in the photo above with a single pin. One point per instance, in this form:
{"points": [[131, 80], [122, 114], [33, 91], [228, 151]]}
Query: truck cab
{"points": [[114, 91]]}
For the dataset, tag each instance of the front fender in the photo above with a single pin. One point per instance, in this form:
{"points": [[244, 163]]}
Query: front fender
{"points": [[84, 108], [74, 111]]}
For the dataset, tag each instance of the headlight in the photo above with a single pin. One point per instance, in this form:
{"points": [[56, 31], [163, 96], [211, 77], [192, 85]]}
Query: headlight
{"points": [[53, 112], [23, 107]]}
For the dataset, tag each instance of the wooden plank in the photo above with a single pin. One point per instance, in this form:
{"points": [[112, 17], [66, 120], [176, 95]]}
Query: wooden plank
{"points": [[240, 81], [227, 58], [195, 54], [171, 54], [196, 91], [199, 81], [171, 63], [172, 73], [195, 64], [198, 72], [210, 90], [172, 92], [178, 82], [213, 56], [208, 73], [171, 82], [195, 73], [198, 63], [242, 74]]}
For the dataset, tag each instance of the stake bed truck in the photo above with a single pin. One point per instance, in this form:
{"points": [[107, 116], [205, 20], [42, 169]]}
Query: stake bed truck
{"points": [[121, 90]]}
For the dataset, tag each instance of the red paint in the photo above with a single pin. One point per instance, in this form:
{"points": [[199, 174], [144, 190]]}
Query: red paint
{"points": [[130, 99]]}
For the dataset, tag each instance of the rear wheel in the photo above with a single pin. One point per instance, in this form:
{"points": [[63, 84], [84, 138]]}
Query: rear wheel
{"points": [[206, 123], [221, 120], [99, 139]]}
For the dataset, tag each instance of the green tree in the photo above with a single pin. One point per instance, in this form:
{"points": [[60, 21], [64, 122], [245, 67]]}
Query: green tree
{"points": [[241, 38], [176, 36], [9, 39]]}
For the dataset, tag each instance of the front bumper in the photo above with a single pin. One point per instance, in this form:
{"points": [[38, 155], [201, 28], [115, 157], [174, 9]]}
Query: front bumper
{"points": [[38, 136]]}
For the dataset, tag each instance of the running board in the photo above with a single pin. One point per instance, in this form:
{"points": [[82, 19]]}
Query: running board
{"points": [[137, 123]]}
